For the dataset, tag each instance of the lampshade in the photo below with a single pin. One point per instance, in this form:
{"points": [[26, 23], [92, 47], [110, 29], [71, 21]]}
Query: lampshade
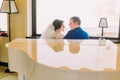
{"points": [[8, 6], [103, 23]]}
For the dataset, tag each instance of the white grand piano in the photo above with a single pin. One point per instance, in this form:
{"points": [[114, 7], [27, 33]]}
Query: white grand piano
{"points": [[59, 59]]}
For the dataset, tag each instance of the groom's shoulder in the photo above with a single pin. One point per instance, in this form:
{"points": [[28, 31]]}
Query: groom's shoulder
{"points": [[76, 30]]}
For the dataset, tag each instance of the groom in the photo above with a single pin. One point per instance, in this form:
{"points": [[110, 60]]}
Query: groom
{"points": [[76, 31]]}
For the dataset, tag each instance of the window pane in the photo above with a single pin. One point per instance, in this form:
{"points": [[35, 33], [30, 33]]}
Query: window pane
{"points": [[3, 19], [89, 11]]}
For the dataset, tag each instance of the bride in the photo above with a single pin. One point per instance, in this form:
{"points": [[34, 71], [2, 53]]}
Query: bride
{"points": [[54, 30]]}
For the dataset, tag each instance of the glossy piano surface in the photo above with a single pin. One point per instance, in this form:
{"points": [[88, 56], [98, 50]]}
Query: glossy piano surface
{"points": [[86, 55], [59, 59]]}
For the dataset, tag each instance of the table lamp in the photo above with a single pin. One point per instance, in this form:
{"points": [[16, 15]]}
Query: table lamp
{"points": [[9, 7], [103, 24]]}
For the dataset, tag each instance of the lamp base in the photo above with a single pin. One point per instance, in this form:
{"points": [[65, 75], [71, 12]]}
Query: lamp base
{"points": [[102, 41]]}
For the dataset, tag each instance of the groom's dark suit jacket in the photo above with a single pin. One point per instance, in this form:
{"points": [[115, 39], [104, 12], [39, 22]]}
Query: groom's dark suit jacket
{"points": [[77, 33]]}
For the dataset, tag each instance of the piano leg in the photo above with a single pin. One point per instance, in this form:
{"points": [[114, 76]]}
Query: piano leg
{"points": [[21, 76]]}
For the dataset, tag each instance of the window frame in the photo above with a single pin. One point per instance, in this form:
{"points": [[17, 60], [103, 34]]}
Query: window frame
{"points": [[34, 27]]}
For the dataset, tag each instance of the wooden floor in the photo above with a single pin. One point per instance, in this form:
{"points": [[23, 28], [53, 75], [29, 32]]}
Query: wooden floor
{"points": [[7, 76]]}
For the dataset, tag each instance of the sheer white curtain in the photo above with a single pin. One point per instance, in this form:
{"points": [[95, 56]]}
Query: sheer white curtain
{"points": [[89, 11], [3, 20]]}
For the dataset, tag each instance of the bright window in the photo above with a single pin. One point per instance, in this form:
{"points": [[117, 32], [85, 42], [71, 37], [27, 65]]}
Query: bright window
{"points": [[3, 20], [89, 11]]}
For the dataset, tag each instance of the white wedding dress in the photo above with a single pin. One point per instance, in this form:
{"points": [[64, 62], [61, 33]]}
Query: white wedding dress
{"points": [[49, 33]]}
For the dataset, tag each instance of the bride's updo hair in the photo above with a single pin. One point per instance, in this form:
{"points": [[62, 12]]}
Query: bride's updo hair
{"points": [[57, 23]]}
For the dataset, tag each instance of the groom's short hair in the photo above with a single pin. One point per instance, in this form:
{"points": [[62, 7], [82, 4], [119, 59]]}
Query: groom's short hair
{"points": [[57, 23], [76, 19]]}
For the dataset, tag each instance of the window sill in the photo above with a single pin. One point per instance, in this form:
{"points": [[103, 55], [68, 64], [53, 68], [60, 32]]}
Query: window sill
{"points": [[4, 35], [114, 40]]}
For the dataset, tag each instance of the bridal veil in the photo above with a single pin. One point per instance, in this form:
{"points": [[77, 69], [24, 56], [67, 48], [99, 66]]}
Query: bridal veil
{"points": [[48, 33]]}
